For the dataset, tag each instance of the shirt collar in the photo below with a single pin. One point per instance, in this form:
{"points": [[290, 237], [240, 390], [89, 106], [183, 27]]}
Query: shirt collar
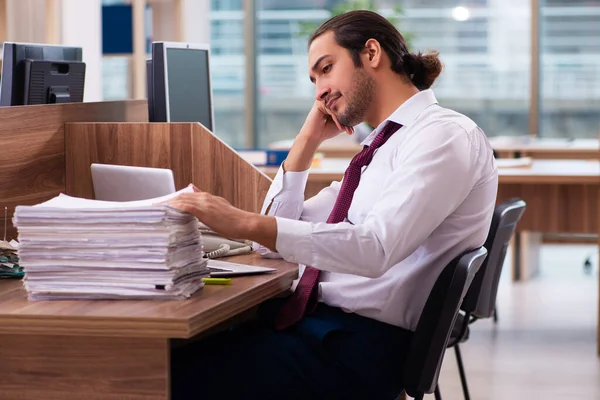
{"points": [[407, 113]]}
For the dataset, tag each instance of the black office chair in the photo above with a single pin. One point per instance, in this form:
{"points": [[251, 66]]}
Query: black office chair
{"points": [[431, 337], [480, 301]]}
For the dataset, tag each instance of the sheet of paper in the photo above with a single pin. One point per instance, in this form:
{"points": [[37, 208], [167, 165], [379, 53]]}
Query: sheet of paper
{"points": [[65, 201]]}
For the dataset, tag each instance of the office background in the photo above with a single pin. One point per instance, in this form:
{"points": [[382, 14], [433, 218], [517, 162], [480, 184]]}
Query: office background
{"points": [[514, 66], [517, 67]]}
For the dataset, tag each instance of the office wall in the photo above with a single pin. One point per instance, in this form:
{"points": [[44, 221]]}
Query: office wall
{"points": [[196, 20], [181, 20], [26, 21]]}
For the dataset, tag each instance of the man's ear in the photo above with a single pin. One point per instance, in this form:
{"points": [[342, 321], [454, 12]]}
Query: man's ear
{"points": [[373, 53]]}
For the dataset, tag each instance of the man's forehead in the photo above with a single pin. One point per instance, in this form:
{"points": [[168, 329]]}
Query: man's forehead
{"points": [[323, 44]]}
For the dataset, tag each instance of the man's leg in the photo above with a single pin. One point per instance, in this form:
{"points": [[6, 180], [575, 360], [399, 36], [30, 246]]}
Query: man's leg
{"points": [[326, 356], [255, 363]]}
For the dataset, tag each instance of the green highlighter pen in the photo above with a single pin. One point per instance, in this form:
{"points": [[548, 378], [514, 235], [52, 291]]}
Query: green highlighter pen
{"points": [[217, 281]]}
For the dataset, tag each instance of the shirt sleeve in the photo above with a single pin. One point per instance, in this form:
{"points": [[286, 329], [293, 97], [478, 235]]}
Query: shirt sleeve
{"points": [[430, 180], [285, 199]]}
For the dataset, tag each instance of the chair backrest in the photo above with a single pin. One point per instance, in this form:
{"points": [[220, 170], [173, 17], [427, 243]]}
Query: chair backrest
{"points": [[480, 300], [430, 339]]}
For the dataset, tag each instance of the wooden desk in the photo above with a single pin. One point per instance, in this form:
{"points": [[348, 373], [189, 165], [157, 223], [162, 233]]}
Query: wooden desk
{"points": [[546, 148], [113, 349], [562, 196]]}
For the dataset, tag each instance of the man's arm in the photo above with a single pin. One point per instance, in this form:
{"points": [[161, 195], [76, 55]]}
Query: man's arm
{"points": [[228, 221], [285, 197], [319, 126], [429, 182]]}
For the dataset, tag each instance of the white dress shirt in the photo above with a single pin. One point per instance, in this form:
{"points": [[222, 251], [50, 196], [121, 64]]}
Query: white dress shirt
{"points": [[427, 196]]}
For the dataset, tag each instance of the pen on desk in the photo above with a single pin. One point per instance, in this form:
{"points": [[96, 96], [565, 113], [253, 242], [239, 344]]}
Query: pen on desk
{"points": [[217, 281]]}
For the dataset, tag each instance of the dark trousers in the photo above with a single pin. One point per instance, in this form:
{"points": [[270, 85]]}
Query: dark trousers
{"points": [[328, 355]]}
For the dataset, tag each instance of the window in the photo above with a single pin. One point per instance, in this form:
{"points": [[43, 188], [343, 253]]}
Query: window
{"points": [[570, 69], [227, 70], [486, 57]]}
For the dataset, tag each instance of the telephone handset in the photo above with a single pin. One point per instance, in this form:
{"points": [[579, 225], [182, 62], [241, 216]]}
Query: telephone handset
{"points": [[216, 246]]}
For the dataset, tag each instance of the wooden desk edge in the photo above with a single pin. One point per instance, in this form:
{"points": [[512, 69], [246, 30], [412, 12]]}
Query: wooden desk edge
{"points": [[237, 305], [549, 179], [145, 327]]}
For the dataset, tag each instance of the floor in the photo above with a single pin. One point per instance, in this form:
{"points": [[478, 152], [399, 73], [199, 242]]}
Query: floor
{"points": [[544, 345]]}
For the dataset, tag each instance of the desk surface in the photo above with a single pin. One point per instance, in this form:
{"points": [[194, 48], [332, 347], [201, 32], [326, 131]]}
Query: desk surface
{"points": [[553, 171], [528, 143], [149, 318], [540, 171]]}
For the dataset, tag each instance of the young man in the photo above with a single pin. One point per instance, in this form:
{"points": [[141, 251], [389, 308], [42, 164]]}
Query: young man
{"points": [[370, 248]]}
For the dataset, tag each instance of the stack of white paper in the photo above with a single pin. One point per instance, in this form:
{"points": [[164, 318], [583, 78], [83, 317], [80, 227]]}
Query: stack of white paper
{"points": [[73, 248]]}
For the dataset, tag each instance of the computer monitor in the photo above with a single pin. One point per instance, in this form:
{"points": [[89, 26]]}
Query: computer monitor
{"points": [[150, 90], [41, 74], [179, 88]]}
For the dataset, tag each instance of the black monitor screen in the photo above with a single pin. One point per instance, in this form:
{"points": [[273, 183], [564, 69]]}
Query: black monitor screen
{"points": [[189, 86]]}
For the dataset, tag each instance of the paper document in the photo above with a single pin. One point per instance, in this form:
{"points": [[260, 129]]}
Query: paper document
{"points": [[65, 201], [74, 248]]}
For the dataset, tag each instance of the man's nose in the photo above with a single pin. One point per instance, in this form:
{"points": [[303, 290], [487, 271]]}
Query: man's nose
{"points": [[322, 93]]}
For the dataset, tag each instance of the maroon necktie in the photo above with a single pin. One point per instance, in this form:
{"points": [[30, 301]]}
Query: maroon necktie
{"points": [[305, 296]]}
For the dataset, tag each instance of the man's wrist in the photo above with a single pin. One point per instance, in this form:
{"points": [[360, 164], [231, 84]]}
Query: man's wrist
{"points": [[261, 229], [301, 154]]}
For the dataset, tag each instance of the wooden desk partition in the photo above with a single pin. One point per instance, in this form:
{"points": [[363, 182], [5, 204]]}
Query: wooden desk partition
{"points": [[193, 153], [32, 159]]}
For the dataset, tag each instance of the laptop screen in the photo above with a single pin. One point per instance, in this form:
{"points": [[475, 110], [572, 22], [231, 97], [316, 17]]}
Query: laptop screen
{"points": [[128, 183]]}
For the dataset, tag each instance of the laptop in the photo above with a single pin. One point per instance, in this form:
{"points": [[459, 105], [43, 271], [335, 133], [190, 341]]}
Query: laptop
{"points": [[127, 183]]}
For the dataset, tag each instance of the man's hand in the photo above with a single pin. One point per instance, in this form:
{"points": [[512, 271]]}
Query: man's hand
{"points": [[320, 124], [226, 220]]}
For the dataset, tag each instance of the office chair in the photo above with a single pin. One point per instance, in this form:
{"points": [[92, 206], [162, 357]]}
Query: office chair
{"points": [[480, 300], [431, 337]]}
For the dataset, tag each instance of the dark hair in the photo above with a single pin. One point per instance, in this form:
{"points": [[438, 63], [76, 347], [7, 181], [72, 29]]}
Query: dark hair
{"points": [[352, 30]]}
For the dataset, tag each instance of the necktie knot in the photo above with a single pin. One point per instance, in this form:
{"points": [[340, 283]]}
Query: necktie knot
{"points": [[366, 155], [388, 130]]}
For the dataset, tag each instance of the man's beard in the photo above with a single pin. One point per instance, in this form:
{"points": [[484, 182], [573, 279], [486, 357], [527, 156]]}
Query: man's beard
{"points": [[358, 99]]}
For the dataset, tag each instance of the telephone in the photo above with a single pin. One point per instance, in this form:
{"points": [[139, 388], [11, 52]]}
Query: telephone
{"points": [[216, 246]]}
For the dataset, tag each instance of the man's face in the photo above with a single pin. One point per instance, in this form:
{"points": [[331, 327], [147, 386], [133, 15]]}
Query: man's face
{"points": [[346, 90]]}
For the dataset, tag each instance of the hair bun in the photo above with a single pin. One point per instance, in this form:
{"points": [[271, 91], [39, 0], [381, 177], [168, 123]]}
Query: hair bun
{"points": [[426, 68]]}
